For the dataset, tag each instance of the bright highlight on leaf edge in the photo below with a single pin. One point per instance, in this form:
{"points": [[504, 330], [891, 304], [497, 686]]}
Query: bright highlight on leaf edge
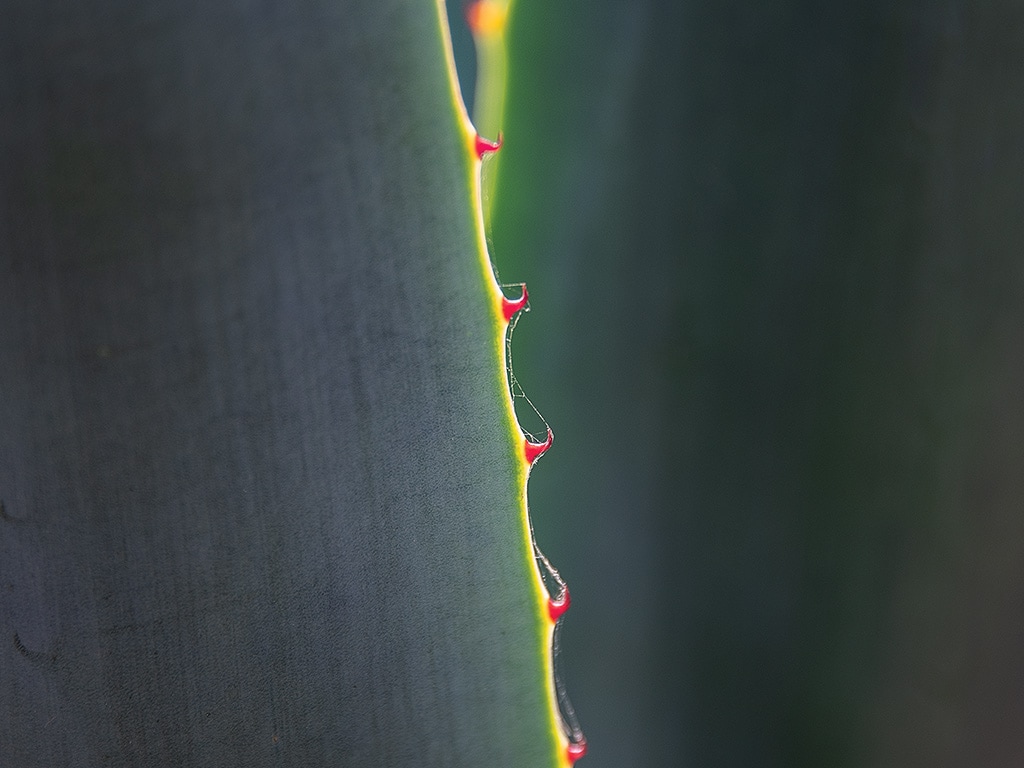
{"points": [[552, 608]]}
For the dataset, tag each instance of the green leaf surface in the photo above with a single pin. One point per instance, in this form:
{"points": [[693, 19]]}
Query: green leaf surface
{"points": [[261, 500]]}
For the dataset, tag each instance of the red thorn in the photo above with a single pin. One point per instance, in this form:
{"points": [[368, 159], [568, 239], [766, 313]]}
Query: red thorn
{"points": [[509, 307], [473, 11], [556, 608], [484, 146], [576, 750], [533, 450]]}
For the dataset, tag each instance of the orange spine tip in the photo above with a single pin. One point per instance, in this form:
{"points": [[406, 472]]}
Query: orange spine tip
{"points": [[509, 307], [576, 750], [556, 608], [485, 17], [485, 146], [533, 451]]}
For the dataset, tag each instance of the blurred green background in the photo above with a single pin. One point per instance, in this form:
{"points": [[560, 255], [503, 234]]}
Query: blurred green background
{"points": [[774, 257]]}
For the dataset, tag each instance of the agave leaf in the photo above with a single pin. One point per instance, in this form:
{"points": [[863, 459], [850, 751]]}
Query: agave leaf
{"points": [[262, 492]]}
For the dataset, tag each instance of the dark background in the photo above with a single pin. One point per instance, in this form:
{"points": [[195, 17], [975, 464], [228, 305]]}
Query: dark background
{"points": [[774, 257]]}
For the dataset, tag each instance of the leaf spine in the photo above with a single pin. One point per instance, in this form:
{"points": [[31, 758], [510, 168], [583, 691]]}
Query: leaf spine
{"points": [[484, 146], [533, 451], [557, 606], [509, 307]]}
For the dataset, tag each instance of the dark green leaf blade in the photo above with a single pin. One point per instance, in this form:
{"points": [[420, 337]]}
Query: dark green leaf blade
{"points": [[260, 501]]}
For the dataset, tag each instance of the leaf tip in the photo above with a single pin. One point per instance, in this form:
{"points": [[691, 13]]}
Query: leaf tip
{"points": [[486, 18]]}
